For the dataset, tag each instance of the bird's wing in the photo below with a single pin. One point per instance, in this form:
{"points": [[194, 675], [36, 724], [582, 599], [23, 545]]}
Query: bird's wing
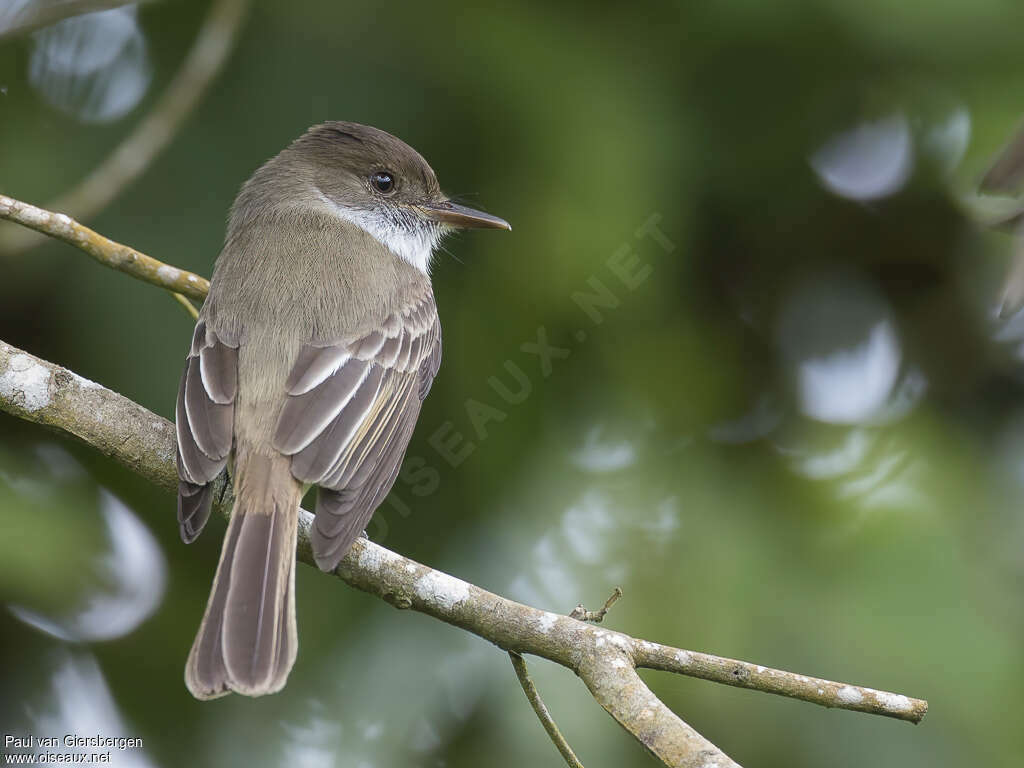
{"points": [[350, 412], [204, 420]]}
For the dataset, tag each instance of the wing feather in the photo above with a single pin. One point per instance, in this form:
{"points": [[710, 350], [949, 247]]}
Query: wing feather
{"points": [[209, 421], [306, 416], [313, 367], [204, 424], [350, 413], [319, 457]]}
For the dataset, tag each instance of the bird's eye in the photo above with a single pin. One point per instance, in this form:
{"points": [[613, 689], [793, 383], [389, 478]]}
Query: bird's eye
{"points": [[383, 182]]}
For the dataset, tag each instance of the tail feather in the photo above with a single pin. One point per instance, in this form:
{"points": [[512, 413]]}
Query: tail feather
{"points": [[205, 673], [247, 641]]}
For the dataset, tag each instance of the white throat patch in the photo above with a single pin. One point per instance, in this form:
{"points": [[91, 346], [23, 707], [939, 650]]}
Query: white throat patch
{"points": [[415, 246]]}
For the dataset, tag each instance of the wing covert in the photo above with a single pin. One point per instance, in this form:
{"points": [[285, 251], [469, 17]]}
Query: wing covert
{"points": [[204, 424], [350, 412]]}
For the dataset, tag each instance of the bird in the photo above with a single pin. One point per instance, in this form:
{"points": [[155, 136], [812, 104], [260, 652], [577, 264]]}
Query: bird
{"points": [[310, 359]]}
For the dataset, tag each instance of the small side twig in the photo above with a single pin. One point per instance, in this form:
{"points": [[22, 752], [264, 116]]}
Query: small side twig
{"points": [[188, 305], [542, 711], [582, 614]]}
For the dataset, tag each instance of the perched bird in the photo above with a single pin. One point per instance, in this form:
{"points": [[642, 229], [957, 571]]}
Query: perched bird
{"points": [[316, 346]]}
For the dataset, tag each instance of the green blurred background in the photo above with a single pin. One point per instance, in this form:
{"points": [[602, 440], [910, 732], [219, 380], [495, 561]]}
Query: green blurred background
{"points": [[796, 439]]}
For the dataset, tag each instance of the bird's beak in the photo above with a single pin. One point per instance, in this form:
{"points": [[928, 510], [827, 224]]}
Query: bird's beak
{"points": [[456, 215]]}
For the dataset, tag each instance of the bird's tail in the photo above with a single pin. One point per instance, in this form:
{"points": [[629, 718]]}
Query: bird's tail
{"points": [[247, 640]]}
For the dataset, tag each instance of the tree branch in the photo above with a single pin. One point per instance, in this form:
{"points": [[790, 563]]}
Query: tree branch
{"points": [[606, 661], [213, 43], [47, 394], [105, 251], [614, 683], [743, 674]]}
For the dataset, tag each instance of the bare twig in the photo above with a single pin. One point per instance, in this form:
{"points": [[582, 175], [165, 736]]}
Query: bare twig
{"points": [[533, 696], [743, 674], [106, 252], [188, 305], [581, 613], [204, 60]]}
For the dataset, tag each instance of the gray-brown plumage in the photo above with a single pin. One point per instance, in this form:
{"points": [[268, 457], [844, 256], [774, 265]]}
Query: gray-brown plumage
{"points": [[309, 362]]}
